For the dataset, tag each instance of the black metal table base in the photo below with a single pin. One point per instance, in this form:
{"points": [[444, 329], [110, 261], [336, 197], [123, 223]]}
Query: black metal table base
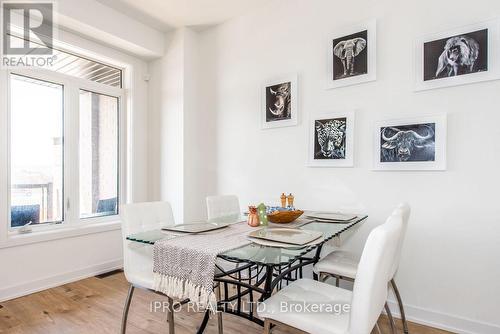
{"points": [[260, 279], [272, 276]]}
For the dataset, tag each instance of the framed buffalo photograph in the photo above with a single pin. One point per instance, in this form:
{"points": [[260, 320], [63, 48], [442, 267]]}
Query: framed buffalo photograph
{"points": [[279, 102], [457, 57], [411, 144], [331, 140], [352, 54]]}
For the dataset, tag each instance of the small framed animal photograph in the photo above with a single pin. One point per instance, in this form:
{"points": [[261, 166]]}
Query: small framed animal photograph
{"points": [[279, 102], [411, 144], [331, 140], [457, 57], [352, 54]]}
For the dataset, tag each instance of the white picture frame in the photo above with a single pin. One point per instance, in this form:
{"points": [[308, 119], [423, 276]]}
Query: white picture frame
{"points": [[370, 27], [317, 158], [270, 121], [492, 57], [438, 143]]}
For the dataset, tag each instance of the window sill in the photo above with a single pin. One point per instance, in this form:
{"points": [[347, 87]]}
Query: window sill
{"points": [[15, 239]]}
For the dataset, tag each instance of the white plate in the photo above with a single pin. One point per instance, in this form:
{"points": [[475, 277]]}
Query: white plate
{"points": [[270, 243], [293, 236], [331, 216], [195, 227]]}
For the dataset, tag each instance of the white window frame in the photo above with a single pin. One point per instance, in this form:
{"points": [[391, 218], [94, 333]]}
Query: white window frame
{"points": [[72, 223]]}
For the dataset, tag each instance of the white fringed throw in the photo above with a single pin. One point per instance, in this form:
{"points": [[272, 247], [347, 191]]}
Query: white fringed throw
{"points": [[184, 267]]}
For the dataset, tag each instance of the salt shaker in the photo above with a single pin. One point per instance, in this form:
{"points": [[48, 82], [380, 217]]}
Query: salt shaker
{"points": [[283, 200]]}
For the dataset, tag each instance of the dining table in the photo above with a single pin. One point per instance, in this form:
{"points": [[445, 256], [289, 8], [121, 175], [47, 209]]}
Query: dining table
{"points": [[251, 273]]}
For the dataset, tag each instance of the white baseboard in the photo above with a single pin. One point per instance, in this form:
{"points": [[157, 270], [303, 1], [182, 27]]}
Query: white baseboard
{"points": [[444, 321], [24, 289]]}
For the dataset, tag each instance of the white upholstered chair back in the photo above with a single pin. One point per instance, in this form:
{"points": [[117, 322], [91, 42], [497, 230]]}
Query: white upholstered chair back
{"points": [[222, 206], [405, 211], [137, 257], [374, 270]]}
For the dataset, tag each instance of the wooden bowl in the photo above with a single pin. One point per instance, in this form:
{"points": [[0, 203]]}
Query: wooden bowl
{"points": [[284, 217]]}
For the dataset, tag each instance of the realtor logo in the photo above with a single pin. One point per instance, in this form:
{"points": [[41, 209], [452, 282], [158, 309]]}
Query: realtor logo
{"points": [[27, 33]]}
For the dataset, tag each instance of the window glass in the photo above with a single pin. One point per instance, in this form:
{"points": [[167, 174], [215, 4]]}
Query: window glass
{"points": [[36, 151], [98, 154]]}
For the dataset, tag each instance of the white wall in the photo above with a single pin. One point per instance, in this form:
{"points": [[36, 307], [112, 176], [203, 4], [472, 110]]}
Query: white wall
{"points": [[449, 273], [180, 132], [166, 122], [199, 125]]}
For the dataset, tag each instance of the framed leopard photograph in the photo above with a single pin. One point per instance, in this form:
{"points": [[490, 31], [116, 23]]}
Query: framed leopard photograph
{"points": [[331, 140]]}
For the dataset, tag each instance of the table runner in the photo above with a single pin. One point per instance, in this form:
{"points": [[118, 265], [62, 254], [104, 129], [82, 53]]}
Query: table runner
{"points": [[184, 267]]}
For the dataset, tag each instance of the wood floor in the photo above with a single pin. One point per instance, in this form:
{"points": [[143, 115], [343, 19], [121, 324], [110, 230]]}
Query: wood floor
{"points": [[94, 305]]}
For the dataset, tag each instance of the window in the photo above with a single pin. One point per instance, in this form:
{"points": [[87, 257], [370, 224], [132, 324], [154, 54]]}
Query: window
{"points": [[64, 145], [36, 158], [80, 67], [98, 154]]}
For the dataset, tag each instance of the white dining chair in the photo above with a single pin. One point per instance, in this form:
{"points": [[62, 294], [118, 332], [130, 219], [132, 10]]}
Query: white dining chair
{"points": [[222, 206], [138, 257], [344, 265], [364, 304]]}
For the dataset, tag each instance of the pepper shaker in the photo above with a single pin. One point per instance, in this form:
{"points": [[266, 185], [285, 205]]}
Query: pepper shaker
{"points": [[290, 199]]}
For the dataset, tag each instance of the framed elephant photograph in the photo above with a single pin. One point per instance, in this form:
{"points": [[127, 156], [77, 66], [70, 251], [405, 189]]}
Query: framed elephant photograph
{"points": [[410, 144], [457, 57], [352, 54], [331, 140], [279, 102]]}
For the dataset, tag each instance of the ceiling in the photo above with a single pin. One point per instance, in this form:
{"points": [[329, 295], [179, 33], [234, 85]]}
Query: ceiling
{"points": [[166, 15]]}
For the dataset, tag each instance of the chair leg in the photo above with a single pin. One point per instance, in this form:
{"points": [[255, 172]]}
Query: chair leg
{"points": [[220, 327], [337, 281], [391, 319], [170, 316], [378, 328], [126, 309], [401, 307], [323, 277], [267, 326]]}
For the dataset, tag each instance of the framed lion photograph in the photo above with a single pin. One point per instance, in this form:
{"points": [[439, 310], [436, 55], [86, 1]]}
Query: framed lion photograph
{"points": [[331, 140], [457, 57]]}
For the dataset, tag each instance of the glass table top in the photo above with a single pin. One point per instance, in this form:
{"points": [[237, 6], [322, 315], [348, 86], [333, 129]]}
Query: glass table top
{"points": [[259, 254]]}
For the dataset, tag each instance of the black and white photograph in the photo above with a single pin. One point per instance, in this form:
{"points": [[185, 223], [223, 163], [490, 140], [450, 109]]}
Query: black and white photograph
{"points": [[331, 139], [458, 57], [279, 102], [414, 142], [417, 143], [352, 55]]}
